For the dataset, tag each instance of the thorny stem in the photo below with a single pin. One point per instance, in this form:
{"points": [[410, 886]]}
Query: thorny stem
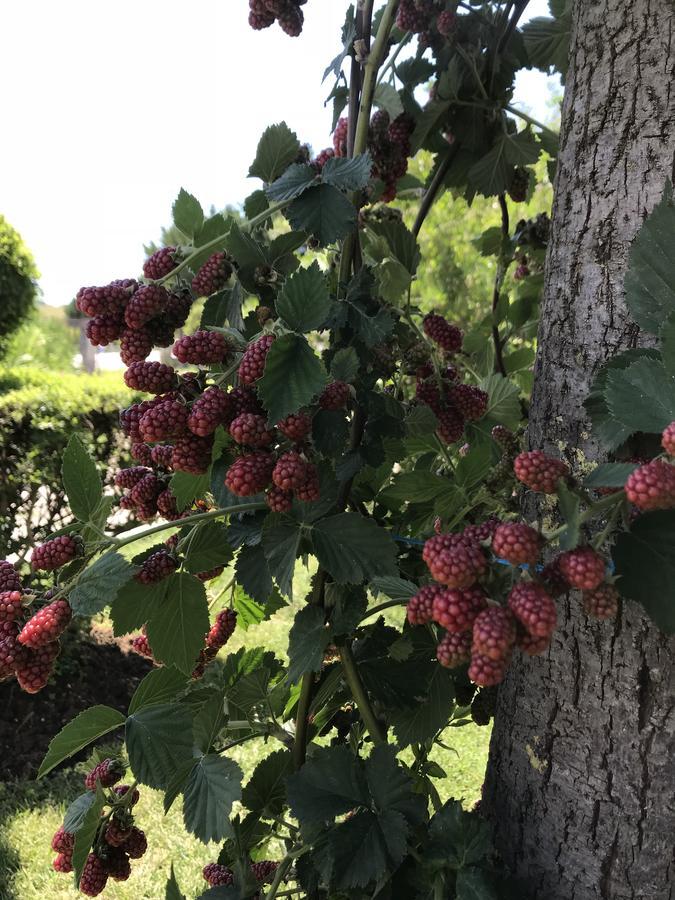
{"points": [[279, 876], [360, 696]]}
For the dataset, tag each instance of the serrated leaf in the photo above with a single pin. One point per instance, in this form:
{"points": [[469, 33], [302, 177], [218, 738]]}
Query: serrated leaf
{"points": [[387, 97], [458, 838], [667, 340], [251, 612], [642, 397], [353, 549], [244, 248], [77, 811], [253, 573], [213, 786], [304, 302], [324, 212], [265, 791], [493, 172], [401, 242], [307, 640], [214, 227], [345, 365], [328, 785], [209, 722], [503, 405], [547, 42], [490, 242], [188, 216], [81, 480], [432, 112], [417, 724], [296, 179], [420, 420], [84, 836], [348, 35], [91, 724], [294, 375], [416, 487], [277, 149], [176, 630], [644, 560], [99, 583], [158, 686], [280, 542], [394, 588], [206, 548], [609, 475], [158, 740], [568, 504], [475, 884], [348, 173], [135, 604], [187, 487], [173, 891]]}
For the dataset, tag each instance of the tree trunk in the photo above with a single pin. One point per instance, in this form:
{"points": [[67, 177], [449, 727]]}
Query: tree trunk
{"points": [[581, 777]]}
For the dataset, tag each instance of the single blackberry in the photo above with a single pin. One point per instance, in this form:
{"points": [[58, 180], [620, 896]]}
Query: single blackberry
{"points": [[652, 486], [10, 606], [520, 183], [494, 633], [310, 489], [46, 625], [320, 161], [471, 401], [161, 455], [530, 644], [105, 301], [33, 667], [264, 870], [103, 330], [108, 772], [135, 345], [456, 610], [167, 419], [454, 560], [141, 453], [483, 706], [441, 332], [250, 474], [419, 609], [146, 303], [167, 506], [11, 650], [121, 790], [291, 19], [94, 877], [116, 833], [222, 629], [150, 377], [582, 568], [63, 841], [244, 399], [483, 531], [129, 478], [213, 275], [176, 312], [202, 348], [56, 553], [130, 417], [252, 364], [296, 427], [450, 424], [290, 471], [156, 567], [484, 671], [668, 439], [146, 490], [446, 22], [192, 454], [278, 500], [517, 543], [251, 430], [454, 649], [340, 137], [602, 602], [214, 874], [141, 645], [213, 408], [116, 863], [534, 608], [10, 580], [161, 263], [335, 396], [63, 863], [210, 574], [539, 472]]}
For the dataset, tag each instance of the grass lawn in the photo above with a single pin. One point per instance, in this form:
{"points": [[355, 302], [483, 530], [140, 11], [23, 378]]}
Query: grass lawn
{"points": [[31, 811]]}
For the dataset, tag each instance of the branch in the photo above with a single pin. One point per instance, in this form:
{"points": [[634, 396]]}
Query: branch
{"points": [[360, 696], [499, 279], [435, 186]]}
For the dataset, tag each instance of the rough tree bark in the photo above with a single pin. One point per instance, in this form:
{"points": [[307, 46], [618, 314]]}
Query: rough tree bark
{"points": [[581, 778]]}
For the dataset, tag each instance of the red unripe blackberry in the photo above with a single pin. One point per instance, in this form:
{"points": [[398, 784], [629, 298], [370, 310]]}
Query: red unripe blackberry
{"points": [[136, 844], [103, 330], [400, 130], [129, 478], [108, 772], [335, 396], [538, 471], [146, 511], [46, 625], [176, 312], [320, 161], [652, 486], [161, 455], [531, 645], [116, 863], [668, 439], [296, 427], [212, 409], [454, 649], [484, 671], [428, 392], [450, 424], [454, 560], [414, 16], [10, 605], [192, 454], [251, 430], [250, 474], [483, 531], [10, 580], [533, 608], [441, 332], [602, 602], [211, 573], [123, 789], [11, 650], [471, 401], [212, 276], [151, 377], [419, 609], [167, 419], [446, 21], [216, 875], [278, 500], [63, 863], [290, 471], [33, 667], [582, 568], [520, 183], [141, 453], [141, 645], [130, 417], [222, 629], [166, 505], [264, 870], [147, 302], [310, 490], [160, 263], [116, 834], [135, 345], [56, 553], [252, 364], [156, 567], [244, 399], [94, 877], [517, 543], [146, 490], [340, 137], [105, 301], [494, 633], [456, 610], [202, 348], [63, 841]]}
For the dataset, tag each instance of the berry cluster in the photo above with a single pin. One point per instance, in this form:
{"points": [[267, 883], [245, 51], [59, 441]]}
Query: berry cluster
{"points": [[263, 13], [117, 840], [216, 874]]}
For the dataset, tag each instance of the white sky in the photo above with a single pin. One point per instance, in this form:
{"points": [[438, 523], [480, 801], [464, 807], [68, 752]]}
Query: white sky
{"points": [[109, 108]]}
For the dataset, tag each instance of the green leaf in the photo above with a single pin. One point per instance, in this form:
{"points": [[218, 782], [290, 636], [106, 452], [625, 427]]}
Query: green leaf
{"points": [[348, 35], [667, 339], [173, 891], [77, 812], [304, 302], [99, 583], [81, 480], [353, 549], [417, 724], [644, 558], [401, 242], [158, 686], [266, 788], [215, 226], [348, 174], [650, 279], [387, 97], [277, 149], [394, 588], [158, 739], [420, 420], [244, 248], [280, 541], [328, 785], [324, 212], [568, 504], [176, 630], [547, 42], [432, 112], [417, 487], [253, 573], [642, 397], [503, 406], [475, 884], [492, 173], [91, 724], [458, 838], [490, 242], [84, 836], [296, 179], [474, 466], [207, 548], [609, 475], [187, 487], [294, 375], [250, 612], [307, 641], [345, 365], [188, 216], [209, 722], [135, 604], [213, 786]]}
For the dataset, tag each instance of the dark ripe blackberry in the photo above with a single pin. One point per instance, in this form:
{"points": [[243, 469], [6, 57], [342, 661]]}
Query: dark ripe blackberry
{"points": [[94, 877], [210, 574], [414, 16], [161, 332], [252, 364], [484, 705], [177, 309], [446, 22], [135, 345], [245, 399], [161, 455], [10, 605], [278, 500], [105, 301], [161, 263], [309, 491], [212, 409], [450, 424], [103, 330], [166, 504], [47, 625], [441, 332], [146, 303], [129, 478], [290, 471], [34, 667], [250, 474], [454, 560], [264, 870], [166, 420], [156, 567], [146, 490], [471, 401], [150, 377], [251, 430], [131, 416], [296, 427], [336, 395], [56, 553], [10, 648], [213, 275], [291, 20], [136, 844], [145, 512], [214, 874], [192, 454], [202, 348], [379, 123], [520, 183], [340, 137], [320, 161], [10, 580], [117, 863], [259, 16], [222, 629], [400, 130], [141, 645]]}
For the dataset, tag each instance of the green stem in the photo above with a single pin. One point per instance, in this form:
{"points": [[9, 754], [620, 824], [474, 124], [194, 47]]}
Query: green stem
{"points": [[279, 876], [502, 267], [592, 513], [436, 184], [360, 696], [197, 517], [241, 740], [300, 742], [381, 607], [370, 75], [526, 118], [394, 56]]}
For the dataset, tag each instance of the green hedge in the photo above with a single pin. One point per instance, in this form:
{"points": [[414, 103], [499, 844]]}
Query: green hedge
{"points": [[17, 282], [38, 413]]}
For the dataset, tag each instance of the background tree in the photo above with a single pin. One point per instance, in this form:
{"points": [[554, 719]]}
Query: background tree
{"points": [[17, 282]]}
